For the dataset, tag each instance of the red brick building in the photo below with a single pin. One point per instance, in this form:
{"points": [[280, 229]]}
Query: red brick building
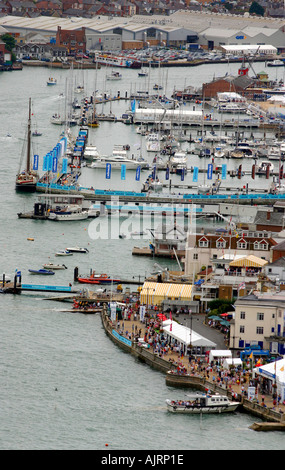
{"points": [[74, 41]]}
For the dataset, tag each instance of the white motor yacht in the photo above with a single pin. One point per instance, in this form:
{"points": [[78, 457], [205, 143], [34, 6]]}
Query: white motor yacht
{"points": [[91, 152], [117, 161], [68, 213]]}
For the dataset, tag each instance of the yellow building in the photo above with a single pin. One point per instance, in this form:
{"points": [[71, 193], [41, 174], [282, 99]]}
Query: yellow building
{"points": [[153, 293]]}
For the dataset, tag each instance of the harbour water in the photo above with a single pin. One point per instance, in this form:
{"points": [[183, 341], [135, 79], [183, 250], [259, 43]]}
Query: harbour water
{"points": [[64, 384]]}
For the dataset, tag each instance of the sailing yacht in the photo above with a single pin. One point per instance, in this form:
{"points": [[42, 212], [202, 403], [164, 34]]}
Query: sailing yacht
{"points": [[27, 179]]}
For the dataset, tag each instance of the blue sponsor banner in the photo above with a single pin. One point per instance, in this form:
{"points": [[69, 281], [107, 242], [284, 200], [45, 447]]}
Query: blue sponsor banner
{"points": [[224, 172], [195, 174], [167, 174], [64, 165], [121, 338], [182, 174], [45, 163], [133, 106], [49, 160], [123, 172], [36, 162], [108, 171], [63, 141], [154, 172], [54, 164], [210, 171], [138, 173]]}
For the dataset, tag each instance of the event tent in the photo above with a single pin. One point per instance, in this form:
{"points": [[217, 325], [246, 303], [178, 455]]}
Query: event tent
{"points": [[218, 354], [185, 335], [234, 361], [274, 370]]}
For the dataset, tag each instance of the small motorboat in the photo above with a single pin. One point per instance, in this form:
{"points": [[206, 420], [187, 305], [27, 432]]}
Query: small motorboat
{"points": [[98, 279], [202, 403], [264, 168], [157, 87], [53, 266], [51, 81], [63, 253], [41, 271], [114, 76], [36, 134], [77, 249], [143, 73]]}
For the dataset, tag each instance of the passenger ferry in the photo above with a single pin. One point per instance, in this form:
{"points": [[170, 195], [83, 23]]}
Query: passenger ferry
{"points": [[202, 403], [117, 61]]}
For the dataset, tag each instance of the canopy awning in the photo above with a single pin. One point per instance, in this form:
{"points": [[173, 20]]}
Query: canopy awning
{"points": [[272, 370], [249, 261], [185, 335], [155, 292]]}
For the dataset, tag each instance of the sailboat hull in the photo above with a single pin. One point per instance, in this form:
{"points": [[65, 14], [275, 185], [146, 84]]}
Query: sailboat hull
{"points": [[26, 187]]}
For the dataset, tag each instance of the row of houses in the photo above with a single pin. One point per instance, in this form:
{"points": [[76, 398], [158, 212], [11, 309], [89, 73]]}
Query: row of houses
{"points": [[88, 8], [248, 266]]}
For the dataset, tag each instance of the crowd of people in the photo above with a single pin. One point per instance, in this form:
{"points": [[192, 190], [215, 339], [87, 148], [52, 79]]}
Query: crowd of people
{"points": [[235, 379]]}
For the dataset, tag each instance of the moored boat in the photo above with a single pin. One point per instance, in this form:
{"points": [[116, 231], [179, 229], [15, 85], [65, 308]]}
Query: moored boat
{"points": [[69, 213], [51, 81], [27, 179], [276, 63], [98, 279], [77, 249], [54, 267], [63, 253], [117, 61], [41, 271], [202, 403], [265, 168], [117, 161]]}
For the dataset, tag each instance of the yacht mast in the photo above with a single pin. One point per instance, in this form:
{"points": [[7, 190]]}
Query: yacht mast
{"points": [[28, 168]]}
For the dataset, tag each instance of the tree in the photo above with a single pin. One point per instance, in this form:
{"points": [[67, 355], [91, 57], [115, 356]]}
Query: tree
{"points": [[257, 9], [9, 42]]}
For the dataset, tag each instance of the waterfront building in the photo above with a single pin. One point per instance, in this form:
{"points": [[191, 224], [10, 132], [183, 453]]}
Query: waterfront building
{"points": [[276, 271], [206, 249], [259, 320], [168, 240], [75, 41], [278, 251], [271, 219]]}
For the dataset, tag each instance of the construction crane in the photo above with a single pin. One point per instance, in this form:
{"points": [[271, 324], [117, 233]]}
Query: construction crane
{"points": [[243, 69]]}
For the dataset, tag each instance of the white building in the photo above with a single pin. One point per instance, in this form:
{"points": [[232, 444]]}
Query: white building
{"points": [[259, 320]]}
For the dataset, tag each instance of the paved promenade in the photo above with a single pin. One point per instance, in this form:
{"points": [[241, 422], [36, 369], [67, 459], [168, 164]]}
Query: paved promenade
{"points": [[236, 381]]}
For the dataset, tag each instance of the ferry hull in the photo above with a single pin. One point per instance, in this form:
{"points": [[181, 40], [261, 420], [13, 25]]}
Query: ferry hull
{"points": [[207, 409]]}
